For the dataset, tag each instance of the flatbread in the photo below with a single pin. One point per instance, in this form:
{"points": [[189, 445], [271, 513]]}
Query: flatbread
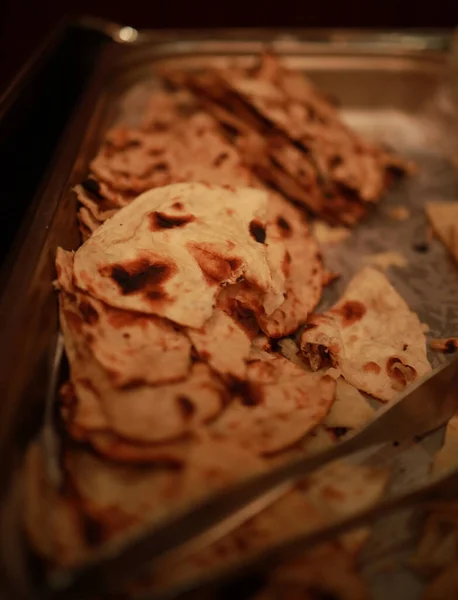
{"points": [[309, 577], [443, 216], [329, 236], [294, 138], [131, 347], [289, 101], [51, 519], [138, 411], [181, 148], [340, 490], [350, 409], [162, 253], [446, 345], [81, 420], [301, 265], [119, 497], [371, 336], [224, 343], [277, 405]]}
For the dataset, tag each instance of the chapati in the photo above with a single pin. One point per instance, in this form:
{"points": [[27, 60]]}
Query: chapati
{"points": [[371, 335], [277, 405], [162, 253]]}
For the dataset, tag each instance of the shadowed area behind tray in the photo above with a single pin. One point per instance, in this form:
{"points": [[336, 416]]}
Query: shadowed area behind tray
{"points": [[33, 116]]}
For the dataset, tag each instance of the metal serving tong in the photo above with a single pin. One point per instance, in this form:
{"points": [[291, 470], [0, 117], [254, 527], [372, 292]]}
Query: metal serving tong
{"points": [[424, 407]]}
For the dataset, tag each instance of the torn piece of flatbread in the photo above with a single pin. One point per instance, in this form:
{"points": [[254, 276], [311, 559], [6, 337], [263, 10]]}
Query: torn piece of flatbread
{"points": [[443, 216], [224, 342], [326, 235], [162, 253], [371, 335], [398, 213], [385, 260], [350, 409], [446, 345], [301, 264], [277, 405]]}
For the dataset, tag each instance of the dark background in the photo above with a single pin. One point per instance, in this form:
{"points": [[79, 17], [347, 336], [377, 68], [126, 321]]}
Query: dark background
{"points": [[24, 23]]}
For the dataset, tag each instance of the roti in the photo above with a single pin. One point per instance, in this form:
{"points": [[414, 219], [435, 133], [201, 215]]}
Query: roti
{"points": [[443, 216], [277, 406], [138, 411], [371, 335], [295, 139], [224, 343], [131, 347], [301, 265], [162, 253]]}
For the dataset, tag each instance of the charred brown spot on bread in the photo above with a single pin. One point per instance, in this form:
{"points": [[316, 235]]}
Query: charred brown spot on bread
{"points": [[451, 346], [250, 393], [160, 167], [159, 220], [446, 345], [88, 312], [92, 187], [178, 205], [335, 161], [284, 227], [286, 264], [400, 373], [195, 356], [351, 312], [258, 231], [222, 156], [372, 367], [340, 431], [231, 188], [142, 275], [133, 384], [186, 406], [214, 266], [245, 316], [119, 318]]}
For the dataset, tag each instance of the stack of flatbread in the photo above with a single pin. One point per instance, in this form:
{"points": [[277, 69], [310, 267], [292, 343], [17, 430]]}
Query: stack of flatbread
{"points": [[178, 314], [159, 308], [262, 126], [294, 138]]}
